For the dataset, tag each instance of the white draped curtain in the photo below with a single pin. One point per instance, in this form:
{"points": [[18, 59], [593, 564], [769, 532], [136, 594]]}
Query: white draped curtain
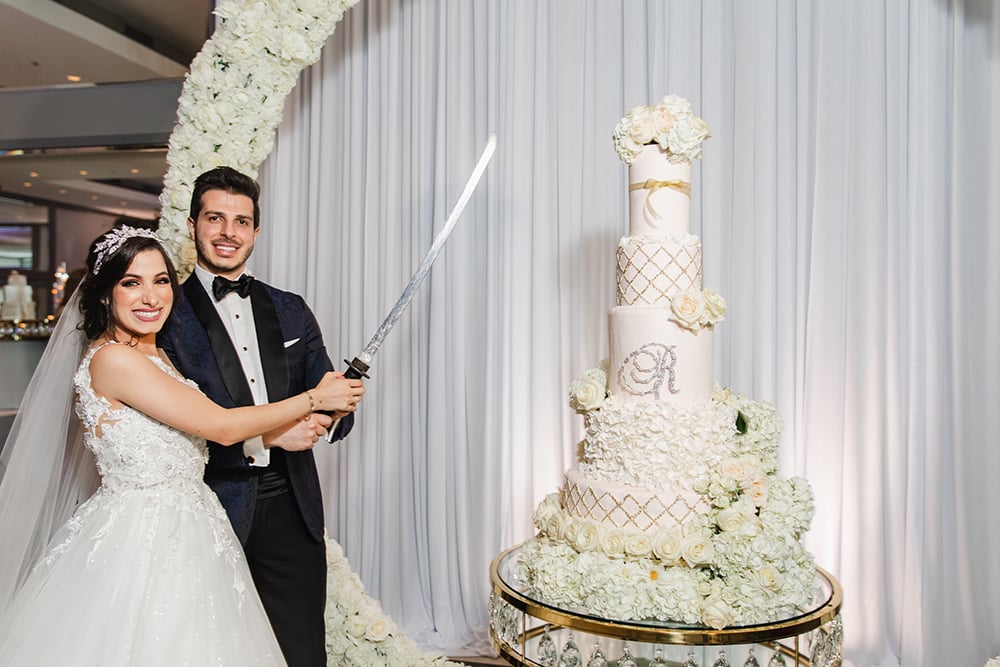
{"points": [[848, 205]]}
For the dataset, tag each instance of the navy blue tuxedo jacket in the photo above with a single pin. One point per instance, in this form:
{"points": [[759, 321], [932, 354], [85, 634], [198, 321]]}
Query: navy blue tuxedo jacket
{"points": [[294, 359]]}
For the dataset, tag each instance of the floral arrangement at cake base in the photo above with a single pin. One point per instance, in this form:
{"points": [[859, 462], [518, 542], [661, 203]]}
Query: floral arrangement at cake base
{"points": [[358, 632], [740, 563]]}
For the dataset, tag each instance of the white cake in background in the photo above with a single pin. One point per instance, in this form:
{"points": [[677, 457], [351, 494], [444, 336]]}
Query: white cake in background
{"points": [[674, 511], [18, 301]]}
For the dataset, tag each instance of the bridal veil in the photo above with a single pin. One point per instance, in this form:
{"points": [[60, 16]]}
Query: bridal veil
{"points": [[45, 470]]}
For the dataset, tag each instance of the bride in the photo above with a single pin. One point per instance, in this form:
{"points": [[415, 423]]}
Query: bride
{"points": [[147, 570]]}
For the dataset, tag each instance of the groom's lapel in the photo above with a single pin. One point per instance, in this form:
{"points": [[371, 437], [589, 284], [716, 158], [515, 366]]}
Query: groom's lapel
{"points": [[222, 347], [270, 342]]}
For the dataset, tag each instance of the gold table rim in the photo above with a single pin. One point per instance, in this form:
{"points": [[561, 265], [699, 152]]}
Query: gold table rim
{"points": [[796, 625]]}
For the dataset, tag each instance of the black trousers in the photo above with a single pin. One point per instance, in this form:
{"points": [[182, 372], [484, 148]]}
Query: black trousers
{"points": [[289, 570]]}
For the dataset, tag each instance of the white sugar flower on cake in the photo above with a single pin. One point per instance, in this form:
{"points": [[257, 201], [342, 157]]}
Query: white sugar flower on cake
{"points": [[670, 123]]}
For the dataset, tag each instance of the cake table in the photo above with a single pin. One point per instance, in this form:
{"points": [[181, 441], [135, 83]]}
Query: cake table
{"points": [[527, 632]]}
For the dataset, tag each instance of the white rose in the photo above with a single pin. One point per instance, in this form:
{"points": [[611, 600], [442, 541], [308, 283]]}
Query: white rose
{"points": [[638, 545], [697, 550], [355, 626], [730, 520], [378, 630], [587, 536], [569, 531], [717, 614], [667, 545], [675, 105], [715, 306], [588, 392], [295, 47], [555, 526], [768, 578], [687, 308], [613, 543]]}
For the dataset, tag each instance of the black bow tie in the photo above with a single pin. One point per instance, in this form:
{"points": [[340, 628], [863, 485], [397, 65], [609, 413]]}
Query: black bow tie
{"points": [[223, 286]]}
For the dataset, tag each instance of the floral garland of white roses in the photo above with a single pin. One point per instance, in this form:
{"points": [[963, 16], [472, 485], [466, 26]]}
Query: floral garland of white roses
{"points": [[230, 107], [740, 563], [233, 98], [358, 632], [670, 123]]}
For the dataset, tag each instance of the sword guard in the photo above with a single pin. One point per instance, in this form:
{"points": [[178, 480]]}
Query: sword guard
{"points": [[356, 369]]}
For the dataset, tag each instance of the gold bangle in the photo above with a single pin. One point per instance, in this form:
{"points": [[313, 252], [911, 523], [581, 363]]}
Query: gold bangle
{"points": [[312, 401]]}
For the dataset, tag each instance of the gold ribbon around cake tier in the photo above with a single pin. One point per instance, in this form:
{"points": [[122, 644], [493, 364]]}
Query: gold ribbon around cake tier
{"points": [[654, 186]]}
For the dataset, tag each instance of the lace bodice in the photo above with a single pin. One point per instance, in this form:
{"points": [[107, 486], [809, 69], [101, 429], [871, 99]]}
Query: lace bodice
{"points": [[134, 451]]}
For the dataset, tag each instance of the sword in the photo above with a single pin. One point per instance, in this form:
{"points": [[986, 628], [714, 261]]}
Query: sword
{"points": [[358, 367]]}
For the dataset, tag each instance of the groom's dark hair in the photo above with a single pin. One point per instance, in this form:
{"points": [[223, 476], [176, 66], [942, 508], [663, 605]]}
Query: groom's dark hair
{"points": [[229, 180]]}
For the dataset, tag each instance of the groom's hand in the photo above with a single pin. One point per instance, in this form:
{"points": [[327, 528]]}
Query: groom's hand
{"points": [[300, 434]]}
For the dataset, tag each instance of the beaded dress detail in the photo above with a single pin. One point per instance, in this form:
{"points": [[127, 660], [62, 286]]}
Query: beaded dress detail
{"points": [[148, 570]]}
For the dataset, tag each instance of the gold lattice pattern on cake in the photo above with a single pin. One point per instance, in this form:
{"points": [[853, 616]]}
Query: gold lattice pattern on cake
{"points": [[651, 274], [628, 511]]}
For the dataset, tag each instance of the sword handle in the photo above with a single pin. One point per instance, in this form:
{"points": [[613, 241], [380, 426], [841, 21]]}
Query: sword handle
{"points": [[356, 369]]}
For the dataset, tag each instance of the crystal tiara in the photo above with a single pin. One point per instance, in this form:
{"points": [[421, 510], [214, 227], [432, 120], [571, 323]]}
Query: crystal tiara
{"points": [[114, 239]]}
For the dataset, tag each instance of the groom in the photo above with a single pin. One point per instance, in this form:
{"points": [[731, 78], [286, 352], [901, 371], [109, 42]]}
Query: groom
{"points": [[245, 343]]}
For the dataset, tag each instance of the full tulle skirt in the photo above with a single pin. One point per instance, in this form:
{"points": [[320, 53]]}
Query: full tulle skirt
{"points": [[144, 577]]}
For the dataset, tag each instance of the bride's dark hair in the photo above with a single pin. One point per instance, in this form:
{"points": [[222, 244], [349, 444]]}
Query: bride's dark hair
{"points": [[96, 288]]}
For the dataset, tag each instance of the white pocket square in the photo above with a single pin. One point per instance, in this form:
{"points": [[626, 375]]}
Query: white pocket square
{"points": [[289, 343]]}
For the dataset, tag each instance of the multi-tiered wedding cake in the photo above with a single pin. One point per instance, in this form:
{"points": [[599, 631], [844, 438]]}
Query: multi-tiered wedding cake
{"points": [[674, 511], [18, 302]]}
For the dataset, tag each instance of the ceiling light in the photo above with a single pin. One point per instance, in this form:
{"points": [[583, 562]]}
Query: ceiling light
{"points": [[27, 184], [33, 174], [134, 170], [73, 77], [83, 172]]}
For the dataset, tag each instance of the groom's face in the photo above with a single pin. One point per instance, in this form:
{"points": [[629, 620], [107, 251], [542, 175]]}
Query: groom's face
{"points": [[224, 233]]}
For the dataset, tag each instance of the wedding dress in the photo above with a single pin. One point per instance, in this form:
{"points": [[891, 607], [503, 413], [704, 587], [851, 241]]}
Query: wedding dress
{"points": [[148, 570]]}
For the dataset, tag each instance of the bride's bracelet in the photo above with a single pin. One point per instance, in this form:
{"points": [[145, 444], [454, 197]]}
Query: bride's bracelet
{"points": [[312, 402]]}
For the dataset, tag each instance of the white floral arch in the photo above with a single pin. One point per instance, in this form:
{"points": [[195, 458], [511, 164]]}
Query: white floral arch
{"points": [[233, 97], [230, 107]]}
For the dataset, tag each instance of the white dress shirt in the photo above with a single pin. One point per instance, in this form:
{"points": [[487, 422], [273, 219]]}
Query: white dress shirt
{"points": [[236, 314]]}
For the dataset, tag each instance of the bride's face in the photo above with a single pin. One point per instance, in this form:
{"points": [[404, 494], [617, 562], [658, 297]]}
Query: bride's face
{"points": [[142, 298]]}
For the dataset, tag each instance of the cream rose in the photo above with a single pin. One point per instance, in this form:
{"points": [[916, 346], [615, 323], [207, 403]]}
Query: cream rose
{"points": [[667, 545], [613, 543], [717, 614], [768, 578], [757, 491], [378, 630], [697, 550], [734, 469], [687, 308], [589, 392], [587, 536], [715, 306], [730, 520], [555, 526], [638, 545]]}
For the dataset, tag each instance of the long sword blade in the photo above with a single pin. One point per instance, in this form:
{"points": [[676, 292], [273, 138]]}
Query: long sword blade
{"points": [[425, 266]]}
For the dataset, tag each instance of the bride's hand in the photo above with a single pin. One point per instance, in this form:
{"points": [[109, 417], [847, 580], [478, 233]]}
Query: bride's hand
{"points": [[338, 394]]}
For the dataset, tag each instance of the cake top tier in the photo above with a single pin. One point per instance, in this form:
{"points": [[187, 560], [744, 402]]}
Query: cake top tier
{"points": [[669, 123], [17, 279], [658, 142]]}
